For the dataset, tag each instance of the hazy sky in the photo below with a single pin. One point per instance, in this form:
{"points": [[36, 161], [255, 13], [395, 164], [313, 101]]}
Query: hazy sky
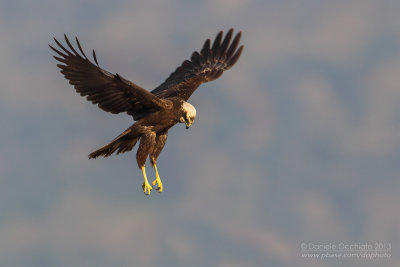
{"points": [[298, 143]]}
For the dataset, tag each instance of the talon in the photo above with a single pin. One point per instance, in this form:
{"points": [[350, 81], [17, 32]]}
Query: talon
{"points": [[157, 180], [159, 184], [146, 186]]}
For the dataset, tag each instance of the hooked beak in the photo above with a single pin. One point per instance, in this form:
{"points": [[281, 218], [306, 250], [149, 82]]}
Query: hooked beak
{"points": [[188, 125]]}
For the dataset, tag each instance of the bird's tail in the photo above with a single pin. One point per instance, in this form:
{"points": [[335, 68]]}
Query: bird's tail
{"points": [[123, 143]]}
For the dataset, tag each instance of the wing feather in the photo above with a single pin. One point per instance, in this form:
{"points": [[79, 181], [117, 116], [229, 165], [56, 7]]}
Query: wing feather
{"points": [[110, 92], [204, 66]]}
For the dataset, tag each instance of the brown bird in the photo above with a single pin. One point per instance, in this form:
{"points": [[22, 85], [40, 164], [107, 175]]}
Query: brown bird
{"points": [[155, 112]]}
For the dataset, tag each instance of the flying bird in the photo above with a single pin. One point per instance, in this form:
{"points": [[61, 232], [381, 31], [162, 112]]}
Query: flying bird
{"points": [[155, 112]]}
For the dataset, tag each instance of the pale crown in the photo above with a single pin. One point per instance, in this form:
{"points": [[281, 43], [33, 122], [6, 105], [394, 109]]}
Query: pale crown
{"points": [[189, 109]]}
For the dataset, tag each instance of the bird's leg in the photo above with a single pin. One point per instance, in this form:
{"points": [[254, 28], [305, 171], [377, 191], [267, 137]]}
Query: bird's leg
{"points": [[146, 186], [157, 180]]}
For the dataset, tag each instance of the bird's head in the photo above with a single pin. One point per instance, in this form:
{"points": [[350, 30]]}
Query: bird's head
{"points": [[188, 114]]}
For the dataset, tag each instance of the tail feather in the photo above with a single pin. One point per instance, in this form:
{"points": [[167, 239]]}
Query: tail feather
{"points": [[123, 143]]}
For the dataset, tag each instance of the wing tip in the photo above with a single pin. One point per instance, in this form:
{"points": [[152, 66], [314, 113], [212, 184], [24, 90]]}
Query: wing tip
{"points": [[95, 58], [232, 61]]}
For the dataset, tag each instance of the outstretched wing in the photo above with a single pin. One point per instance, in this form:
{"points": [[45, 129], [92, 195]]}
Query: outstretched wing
{"points": [[202, 67], [110, 92]]}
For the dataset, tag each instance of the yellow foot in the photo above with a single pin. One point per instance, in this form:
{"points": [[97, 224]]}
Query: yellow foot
{"points": [[157, 180], [146, 188], [159, 184]]}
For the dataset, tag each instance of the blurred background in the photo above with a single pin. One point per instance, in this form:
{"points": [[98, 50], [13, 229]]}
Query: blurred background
{"points": [[298, 142]]}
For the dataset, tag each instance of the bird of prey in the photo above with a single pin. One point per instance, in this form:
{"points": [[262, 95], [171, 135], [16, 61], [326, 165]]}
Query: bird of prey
{"points": [[155, 112]]}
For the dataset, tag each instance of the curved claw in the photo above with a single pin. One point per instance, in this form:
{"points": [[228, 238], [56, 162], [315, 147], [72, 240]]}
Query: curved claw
{"points": [[146, 188], [159, 184], [157, 180]]}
